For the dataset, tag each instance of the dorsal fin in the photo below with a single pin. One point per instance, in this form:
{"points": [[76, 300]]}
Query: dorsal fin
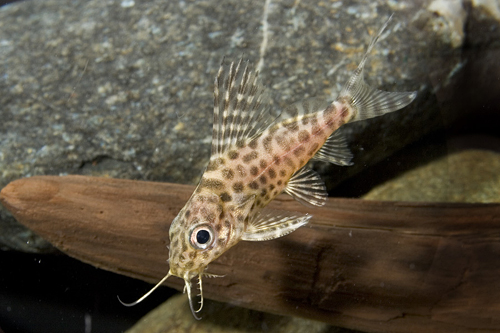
{"points": [[367, 101], [335, 150], [241, 108]]}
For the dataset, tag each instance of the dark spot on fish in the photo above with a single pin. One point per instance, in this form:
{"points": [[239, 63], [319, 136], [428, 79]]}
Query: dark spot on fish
{"points": [[304, 136], [293, 126], [272, 173], [227, 173], [215, 164], [299, 151], [272, 187], [212, 165], [253, 144], [187, 213], [276, 159], [266, 197], [225, 197], [227, 224], [289, 162], [241, 170], [257, 202], [316, 130], [233, 154], [314, 120], [240, 144], [253, 185], [263, 164], [329, 110], [220, 210], [282, 172], [238, 187], [216, 253], [205, 255], [218, 227], [263, 192], [344, 112], [210, 183], [189, 264], [282, 142], [210, 217], [280, 182], [251, 156], [313, 149], [263, 179], [254, 170], [240, 218], [192, 255], [330, 123], [267, 142], [305, 120]]}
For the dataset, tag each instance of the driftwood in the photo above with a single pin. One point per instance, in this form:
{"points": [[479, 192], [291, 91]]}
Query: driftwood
{"points": [[368, 265]]}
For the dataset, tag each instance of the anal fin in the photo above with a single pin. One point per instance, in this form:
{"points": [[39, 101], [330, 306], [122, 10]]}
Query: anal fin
{"points": [[335, 150], [307, 187], [271, 224]]}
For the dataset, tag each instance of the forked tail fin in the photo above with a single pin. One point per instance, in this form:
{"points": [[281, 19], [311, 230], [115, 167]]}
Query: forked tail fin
{"points": [[367, 101]]}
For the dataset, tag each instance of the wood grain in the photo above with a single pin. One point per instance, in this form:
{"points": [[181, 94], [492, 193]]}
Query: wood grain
{"points": [[367, 265]]}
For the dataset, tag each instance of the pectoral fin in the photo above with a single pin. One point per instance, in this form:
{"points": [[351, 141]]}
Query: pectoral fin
{"points": [[271, 224]]}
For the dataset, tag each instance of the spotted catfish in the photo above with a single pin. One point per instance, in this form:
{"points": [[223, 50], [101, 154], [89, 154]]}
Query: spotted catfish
{"points": [[255, 157]]}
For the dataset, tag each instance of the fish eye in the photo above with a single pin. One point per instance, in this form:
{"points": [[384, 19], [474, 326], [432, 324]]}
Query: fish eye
{"points": [[202, 237]]}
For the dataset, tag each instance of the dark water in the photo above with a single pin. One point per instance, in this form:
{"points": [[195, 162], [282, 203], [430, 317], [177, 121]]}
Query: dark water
{"points": [[47, 293]]}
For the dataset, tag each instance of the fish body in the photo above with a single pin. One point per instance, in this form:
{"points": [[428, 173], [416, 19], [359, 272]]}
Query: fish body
{"points": [[255, 157]]}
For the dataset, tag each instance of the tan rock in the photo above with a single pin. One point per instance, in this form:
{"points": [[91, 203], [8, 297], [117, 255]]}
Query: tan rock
{"points": [[466, 176], [174, 316]]}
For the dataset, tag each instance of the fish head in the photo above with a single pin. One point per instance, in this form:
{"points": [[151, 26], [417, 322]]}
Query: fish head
{"points": [[197, 236], [202, 231]]}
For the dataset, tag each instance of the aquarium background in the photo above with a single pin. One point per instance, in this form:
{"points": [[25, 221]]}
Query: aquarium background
{"points": [[123, 89]]}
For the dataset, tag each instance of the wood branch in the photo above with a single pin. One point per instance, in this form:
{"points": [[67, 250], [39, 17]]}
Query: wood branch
{"points": [[367, 265]]}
